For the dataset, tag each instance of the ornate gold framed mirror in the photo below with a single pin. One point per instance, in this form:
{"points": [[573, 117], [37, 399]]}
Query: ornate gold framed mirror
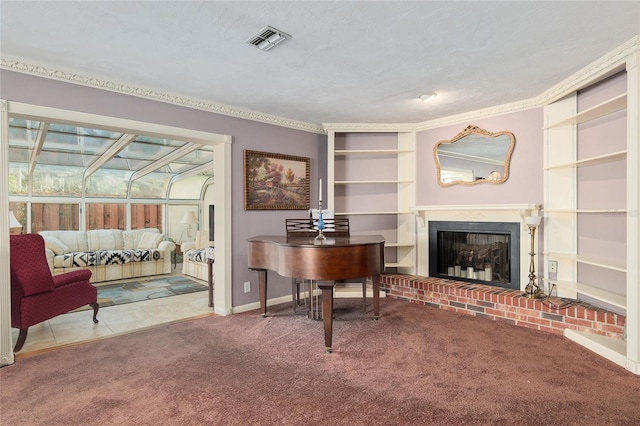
{"points": [[474, 156]]}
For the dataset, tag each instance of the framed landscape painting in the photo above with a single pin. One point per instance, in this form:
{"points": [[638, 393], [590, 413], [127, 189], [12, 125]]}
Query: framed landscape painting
{"points": [[275, 181]]}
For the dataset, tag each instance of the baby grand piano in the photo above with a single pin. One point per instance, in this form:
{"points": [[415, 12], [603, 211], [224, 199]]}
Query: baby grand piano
{"points": [[324, 261]]}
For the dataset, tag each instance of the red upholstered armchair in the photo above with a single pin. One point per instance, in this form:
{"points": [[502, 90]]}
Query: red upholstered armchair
{"points": [[36, 295]]}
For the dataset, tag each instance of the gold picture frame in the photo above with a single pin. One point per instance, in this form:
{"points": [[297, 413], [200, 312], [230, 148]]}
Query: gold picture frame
{"points": [[275, 181]]}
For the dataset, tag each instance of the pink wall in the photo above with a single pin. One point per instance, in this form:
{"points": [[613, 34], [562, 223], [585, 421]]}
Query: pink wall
{"points": [[525, 183], [246, 135]]}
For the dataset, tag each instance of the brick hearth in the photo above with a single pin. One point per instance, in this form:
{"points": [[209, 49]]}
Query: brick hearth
{"points": [[509, 305]]}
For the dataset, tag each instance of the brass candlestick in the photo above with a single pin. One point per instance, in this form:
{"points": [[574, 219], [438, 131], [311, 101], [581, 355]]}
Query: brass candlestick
{"points": [[532, 290]]}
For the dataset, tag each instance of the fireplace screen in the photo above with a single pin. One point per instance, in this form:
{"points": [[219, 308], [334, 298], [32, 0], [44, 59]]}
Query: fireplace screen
{"points": [[475, 251]]}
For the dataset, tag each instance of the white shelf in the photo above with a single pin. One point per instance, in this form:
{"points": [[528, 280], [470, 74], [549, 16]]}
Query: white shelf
{"points": [[603, 295], [351, 290], [602, 263], [590, 260], [398, 265], [398, 245], [560, 255], [370, 151], [610, 106], [593, 292], [592, 161], [349, 182], [616, 211], [370, 213]]}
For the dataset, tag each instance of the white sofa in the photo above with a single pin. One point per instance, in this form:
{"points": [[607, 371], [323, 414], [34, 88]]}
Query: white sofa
{"points": [[110, 254], [194, 256]]}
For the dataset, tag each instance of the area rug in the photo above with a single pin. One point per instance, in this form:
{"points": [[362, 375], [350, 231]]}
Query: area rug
{"points": [[120, 293]]}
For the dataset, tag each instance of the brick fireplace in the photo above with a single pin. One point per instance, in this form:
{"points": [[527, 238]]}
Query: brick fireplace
{"points": [[501, 304], [431, 287]]}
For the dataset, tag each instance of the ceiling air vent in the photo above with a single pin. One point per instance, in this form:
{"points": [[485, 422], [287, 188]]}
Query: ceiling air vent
{"points": [[267, 38]]}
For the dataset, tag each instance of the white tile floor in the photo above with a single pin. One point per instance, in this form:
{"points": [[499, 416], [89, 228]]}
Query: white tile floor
{"points": [[75, 327], [78, 327]]}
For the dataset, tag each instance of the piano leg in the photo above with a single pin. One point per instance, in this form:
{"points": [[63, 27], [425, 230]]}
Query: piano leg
{"points": [[376, 296], [262, 285], [210, 281], [327, 312], [364, 295]]}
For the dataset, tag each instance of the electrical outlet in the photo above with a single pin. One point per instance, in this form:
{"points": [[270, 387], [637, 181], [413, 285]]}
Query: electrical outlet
{"points": [[553, 266], [247, 286]]}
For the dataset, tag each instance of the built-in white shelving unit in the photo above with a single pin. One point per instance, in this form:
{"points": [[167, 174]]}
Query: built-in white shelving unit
{"points": [[564, 187], [616, 103], [591, 194], [371, 180]]}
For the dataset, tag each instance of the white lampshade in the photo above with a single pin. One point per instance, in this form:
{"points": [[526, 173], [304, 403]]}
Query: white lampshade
{"points": [[189, 218], [14, 225], [13, 221], [532, 221]]}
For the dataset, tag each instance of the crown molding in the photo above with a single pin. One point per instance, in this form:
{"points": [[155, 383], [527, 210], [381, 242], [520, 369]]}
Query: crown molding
{"points": [[606, 65], [370, 127], [21, 66], [603, 67], [479, 114]]}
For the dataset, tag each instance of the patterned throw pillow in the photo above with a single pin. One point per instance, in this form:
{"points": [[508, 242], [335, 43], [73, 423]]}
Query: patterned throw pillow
{"points": [[197, 255], [145, 255], [114, 257], [89, 258]]}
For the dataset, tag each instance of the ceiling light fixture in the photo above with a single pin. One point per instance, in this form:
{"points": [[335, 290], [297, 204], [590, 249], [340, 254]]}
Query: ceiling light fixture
{"points": [[427, 97], [267, 38]]}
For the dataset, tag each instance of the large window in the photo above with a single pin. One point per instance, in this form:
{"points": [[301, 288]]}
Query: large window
{"points": [[51, 165], [51, 159], [106, 216], [114, 216], [55, 217]]}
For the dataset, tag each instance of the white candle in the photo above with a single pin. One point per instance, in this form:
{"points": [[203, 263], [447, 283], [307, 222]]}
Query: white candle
{"points": [[320, 191]]}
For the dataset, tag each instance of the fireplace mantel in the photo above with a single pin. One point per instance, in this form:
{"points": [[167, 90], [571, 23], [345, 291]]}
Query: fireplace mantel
{"points": [[472, 213], [476, 207]]}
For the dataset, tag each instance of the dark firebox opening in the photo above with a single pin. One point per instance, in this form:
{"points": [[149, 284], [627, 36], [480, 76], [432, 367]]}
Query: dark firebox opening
{"points": [[482, 252]]}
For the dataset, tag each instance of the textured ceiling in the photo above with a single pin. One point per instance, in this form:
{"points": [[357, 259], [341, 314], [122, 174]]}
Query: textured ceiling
{"points": [[346, 61]]}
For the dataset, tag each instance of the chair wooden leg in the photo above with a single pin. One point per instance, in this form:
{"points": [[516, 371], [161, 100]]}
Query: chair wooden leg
{"points": [[95, 307], [21, 338]]}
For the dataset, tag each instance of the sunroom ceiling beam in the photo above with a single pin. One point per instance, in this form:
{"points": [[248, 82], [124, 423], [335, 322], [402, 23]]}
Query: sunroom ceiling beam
{"points": [[180, 152], [42, 135], [109, 154], [194, 171]]}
